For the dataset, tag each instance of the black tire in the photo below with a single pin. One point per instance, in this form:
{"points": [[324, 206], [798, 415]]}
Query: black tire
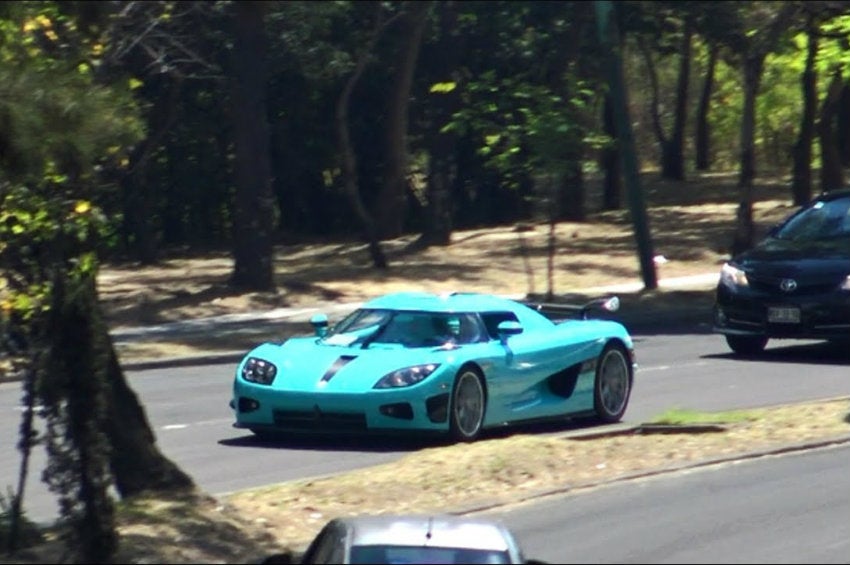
{"points": [[746, 344], [613, 384], [467, 406]]}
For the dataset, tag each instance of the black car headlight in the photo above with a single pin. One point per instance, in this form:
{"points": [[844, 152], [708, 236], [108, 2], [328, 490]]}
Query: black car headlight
{"points": [[407, 376], [258, 371], [733, 276]]}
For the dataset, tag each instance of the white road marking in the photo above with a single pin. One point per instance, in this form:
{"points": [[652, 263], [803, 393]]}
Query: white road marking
{"points": [[217, 421], [643, 369]]}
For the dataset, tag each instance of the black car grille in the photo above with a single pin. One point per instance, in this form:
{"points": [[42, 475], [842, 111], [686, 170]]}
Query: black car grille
{"points": [[770, 285], [317, 420]]}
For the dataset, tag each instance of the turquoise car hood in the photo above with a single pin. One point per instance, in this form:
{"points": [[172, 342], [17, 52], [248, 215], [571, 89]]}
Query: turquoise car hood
{"points": [[309, 365]]}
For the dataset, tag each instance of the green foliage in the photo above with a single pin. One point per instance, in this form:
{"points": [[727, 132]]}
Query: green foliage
{"points": [[523, 128], [59, 121], [678, 416], [28, 532], [835, 51]]}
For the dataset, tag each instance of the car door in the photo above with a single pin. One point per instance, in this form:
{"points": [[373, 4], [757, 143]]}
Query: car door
{"points": [[518, 382]]}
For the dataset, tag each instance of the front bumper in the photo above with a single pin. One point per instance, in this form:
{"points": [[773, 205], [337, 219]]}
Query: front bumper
{"points": [[421, 407], [745, 312]]}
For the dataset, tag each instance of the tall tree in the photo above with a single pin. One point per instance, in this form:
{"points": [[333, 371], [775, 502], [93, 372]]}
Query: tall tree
{"points": [[254, 207], [609, 37], [441, 143], [702, 141], [347, 152], [831, 173], [391, 203], [49, 236], [760, 25], [801, 176], [672, 146]]}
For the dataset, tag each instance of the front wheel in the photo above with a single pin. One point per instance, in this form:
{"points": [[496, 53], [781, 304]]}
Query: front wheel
{"points": [[467, 406], [746, 344], [613, 384]]}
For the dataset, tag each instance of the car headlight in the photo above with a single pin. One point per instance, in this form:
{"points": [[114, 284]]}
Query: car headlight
{"points": [[845, 284], [733, 276], [407, 376], [258, 371]]}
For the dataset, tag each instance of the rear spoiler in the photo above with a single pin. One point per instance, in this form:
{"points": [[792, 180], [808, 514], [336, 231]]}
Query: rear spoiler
{"points": [[558, 310]]}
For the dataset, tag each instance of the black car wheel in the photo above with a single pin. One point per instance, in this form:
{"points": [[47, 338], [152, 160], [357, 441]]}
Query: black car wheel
{"points": [[613, 383], [746, 344], [467, 406]]}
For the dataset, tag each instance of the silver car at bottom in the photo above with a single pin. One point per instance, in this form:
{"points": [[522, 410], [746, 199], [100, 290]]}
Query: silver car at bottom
{"points": [[414, 538]]}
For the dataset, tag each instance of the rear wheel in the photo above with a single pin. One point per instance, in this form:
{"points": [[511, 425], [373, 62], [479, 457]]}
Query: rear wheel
{"points": [[613, 383], [746, 344], [467, 405]]}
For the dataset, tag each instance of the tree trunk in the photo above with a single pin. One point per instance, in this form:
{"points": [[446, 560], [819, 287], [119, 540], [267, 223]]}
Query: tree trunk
{"points": [[843, 125], [703, 132], [610, 162], [801, 181], [348, 157], [254, 206], [672, 154], [437, 229], [570, 205], [137, 464], [609, 36], [831, 174], [391, 208], [438, 225], [744, 236], [73, 393]]}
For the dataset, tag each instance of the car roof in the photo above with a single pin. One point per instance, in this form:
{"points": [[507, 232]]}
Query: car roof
{"points": [[449, 302], [412, 530]]}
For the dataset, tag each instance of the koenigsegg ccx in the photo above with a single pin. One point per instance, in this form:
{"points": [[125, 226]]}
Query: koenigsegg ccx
{"points": [[455, 363]]}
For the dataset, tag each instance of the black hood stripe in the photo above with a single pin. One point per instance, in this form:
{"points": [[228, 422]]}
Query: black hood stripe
{"points": [[337, 365]]}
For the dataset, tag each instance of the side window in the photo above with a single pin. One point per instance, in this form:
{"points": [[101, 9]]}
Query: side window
{"points": [[493, 319]]}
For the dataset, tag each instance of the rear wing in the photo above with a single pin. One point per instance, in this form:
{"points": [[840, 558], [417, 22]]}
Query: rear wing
{"points": [[559, 311]]}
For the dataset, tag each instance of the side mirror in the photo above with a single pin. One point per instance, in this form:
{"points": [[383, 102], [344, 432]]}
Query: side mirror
{"points": [[507, 329], [320, 324]]}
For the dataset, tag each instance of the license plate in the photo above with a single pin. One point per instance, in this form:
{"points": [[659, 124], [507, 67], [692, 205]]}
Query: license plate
{"points": [[783, 315]]}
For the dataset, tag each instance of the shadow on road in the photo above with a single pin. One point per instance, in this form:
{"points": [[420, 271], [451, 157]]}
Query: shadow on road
{"points": [[808, 352]]}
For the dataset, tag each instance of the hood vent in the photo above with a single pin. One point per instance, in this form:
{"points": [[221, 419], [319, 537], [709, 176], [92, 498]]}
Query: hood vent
{"points": [[337, 365]]}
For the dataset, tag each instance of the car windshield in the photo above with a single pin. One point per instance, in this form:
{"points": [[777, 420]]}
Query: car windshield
{"points": [[410, 329], [424, 554], [822, 220]]}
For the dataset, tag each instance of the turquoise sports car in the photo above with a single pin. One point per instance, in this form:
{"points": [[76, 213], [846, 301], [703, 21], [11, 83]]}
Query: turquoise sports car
{"points": [[456, 363]]}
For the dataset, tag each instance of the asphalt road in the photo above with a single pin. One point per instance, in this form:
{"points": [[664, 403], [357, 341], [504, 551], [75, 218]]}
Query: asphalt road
{"points": [[188, 410], [788, 509]]}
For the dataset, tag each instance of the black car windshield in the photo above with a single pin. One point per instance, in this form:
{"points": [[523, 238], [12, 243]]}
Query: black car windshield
{"points": [[424, 554], [824, 219], [410, 329]]}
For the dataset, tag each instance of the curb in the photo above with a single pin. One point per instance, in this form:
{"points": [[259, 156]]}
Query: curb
{"points": [[184, 361]]}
